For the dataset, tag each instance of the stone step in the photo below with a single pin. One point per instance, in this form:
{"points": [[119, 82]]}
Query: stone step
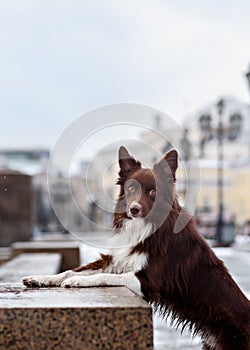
{"points": [[5, 254], [80, 318], [53, 236], [69, 250], [30, 264]]}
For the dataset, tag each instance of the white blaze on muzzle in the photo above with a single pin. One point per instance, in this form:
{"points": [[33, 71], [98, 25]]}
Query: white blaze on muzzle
{"points": [[135, 210]]}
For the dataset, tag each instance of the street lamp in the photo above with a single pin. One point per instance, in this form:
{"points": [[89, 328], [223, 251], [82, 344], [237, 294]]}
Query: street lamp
{"points": [[185, 146], [248, 81], [248, 77], [186, 156], [224, 230], [206, 131], [220, 171]]}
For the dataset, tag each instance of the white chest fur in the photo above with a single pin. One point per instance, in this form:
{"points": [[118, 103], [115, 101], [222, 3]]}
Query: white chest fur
{"points": [[133, 232]]}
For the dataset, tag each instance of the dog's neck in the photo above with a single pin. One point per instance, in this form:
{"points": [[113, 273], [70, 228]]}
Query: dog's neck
{"points": [[132, 232]]}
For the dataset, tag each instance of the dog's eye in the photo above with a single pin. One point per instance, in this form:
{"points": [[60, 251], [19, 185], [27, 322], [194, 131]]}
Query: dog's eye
{"points": [[131, 189], [152, 192]]}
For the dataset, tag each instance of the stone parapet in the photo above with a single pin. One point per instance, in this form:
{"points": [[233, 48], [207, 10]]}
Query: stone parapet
{"points": [[81, 318], [69, 251]]}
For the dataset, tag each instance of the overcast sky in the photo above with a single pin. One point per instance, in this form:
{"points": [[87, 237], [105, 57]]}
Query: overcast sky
{"points": [[59, 59]]}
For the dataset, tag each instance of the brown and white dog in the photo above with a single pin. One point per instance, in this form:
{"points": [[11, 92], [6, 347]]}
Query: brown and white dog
{"points": [[177, 273]]}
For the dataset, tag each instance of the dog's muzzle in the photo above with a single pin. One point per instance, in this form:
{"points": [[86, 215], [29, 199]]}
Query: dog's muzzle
{"points": [[135, 210]]}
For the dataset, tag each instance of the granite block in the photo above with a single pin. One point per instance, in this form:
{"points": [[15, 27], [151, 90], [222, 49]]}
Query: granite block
{"points": [[81, 318], [69, 250], [16, 207]]}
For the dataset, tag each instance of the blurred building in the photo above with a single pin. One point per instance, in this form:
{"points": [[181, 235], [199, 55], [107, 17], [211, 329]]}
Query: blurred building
{"points": [[28, 161], [34, 162]]}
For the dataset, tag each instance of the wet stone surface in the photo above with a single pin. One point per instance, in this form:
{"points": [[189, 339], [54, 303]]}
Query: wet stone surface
{"points": [[28, 265], [69, 251], [86, 318]]}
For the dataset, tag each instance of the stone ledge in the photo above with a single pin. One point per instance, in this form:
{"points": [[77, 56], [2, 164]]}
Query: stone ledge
{"points": [[83, 318], [69, 250], [5, 254], [30, 264]]}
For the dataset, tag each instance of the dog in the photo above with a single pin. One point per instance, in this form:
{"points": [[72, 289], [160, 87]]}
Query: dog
{"points": [[176, 272]]}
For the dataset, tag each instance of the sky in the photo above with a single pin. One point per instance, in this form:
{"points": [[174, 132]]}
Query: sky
{"points": [[61, 59]]}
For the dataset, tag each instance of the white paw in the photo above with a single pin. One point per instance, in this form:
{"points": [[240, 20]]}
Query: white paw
{"points": [[74, 282], [37, 281]]}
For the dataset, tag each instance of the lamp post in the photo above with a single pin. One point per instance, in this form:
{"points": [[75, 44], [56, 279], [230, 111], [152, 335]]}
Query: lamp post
{"points": [[206, 131], [248, 81], [220, 171], [248, 77], [224, 230], [186, 155]]}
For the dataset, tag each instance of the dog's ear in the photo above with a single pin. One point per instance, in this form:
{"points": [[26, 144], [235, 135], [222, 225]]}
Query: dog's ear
{"points": [[168, 164], [126, 161]]}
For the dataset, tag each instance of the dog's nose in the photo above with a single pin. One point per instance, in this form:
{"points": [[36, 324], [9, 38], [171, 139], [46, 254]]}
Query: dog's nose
{"points": [[135, 209]]}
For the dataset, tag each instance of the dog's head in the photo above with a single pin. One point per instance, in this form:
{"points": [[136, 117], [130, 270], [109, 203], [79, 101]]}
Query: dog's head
{"points": [[145, 193]]}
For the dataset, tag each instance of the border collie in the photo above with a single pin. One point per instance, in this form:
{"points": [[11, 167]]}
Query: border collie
{"points": [[176, 272]]}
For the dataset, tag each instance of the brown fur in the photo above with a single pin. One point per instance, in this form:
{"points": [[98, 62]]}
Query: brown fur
{"points": [[100, 264], [183, 277]]}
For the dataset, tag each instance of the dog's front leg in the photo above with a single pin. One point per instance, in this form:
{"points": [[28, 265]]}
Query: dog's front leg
{"points": [[105, 279], [54, 280], [95, 267]]}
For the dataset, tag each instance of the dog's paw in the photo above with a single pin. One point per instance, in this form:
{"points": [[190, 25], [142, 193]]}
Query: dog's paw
{"points": [[37, 281], [72, 282], [31, 281], [77, 282]]}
